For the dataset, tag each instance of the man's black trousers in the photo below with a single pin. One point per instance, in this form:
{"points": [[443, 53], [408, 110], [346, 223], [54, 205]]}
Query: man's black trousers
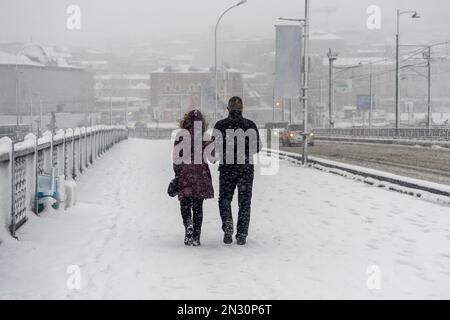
{"points": [[232, 176]]}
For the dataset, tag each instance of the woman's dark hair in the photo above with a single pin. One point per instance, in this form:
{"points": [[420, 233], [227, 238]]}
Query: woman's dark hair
{"points": [[190, 118]]}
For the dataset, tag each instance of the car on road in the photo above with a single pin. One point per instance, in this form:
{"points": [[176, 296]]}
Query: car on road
{"points": [[294, 134], [275, 129]]}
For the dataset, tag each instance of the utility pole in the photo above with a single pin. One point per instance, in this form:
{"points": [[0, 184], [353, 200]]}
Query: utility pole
{"points": [[224, 77], [415, 15], [319, 114], [305, 77], [371, 97], [332, 56], [305, 83], [397, 71], [427, 55]]}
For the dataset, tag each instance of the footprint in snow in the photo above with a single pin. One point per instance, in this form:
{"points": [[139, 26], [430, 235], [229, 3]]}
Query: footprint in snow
{"points": [[369, 220]]}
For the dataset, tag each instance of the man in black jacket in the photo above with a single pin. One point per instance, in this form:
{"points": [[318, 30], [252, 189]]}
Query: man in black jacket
{"points": [[240, 143]]}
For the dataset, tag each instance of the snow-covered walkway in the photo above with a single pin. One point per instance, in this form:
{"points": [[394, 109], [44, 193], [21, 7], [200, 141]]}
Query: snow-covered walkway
{"points": [[313, 235]]}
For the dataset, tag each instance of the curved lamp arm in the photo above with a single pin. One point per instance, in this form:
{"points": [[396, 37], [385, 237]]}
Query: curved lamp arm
{"points": [[226, 11]]}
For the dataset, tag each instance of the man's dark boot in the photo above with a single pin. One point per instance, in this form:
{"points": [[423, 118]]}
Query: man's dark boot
{"points": [[228, 238], [241, 240], [228, 232]]}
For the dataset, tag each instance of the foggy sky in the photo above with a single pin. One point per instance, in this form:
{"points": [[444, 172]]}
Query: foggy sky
{"points": [[44, 21]]}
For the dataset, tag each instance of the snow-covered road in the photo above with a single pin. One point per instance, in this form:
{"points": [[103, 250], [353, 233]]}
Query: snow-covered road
{"points": [[313, 235]]}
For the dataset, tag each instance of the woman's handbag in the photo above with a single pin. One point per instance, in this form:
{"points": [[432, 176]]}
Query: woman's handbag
{"points": [[172, 191]]}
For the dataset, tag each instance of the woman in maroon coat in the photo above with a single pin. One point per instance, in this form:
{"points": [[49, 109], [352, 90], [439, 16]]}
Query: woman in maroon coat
{"points": [[194, 179]]}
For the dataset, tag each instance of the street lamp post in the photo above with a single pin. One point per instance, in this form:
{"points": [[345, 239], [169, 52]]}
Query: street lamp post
{"points": [[371, 96], [332, 56], [415, 15], [304, 91], [215, 54]]}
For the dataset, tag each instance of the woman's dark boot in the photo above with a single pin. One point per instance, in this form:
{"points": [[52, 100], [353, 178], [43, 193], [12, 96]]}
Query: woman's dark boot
{"points": [[189, 236]]}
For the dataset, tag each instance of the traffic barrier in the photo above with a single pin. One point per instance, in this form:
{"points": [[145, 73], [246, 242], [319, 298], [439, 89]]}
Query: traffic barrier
{"points": [[367, 174], [388, 135]]}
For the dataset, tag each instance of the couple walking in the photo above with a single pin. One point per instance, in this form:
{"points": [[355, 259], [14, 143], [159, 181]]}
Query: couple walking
{"points": [[236, 171]]}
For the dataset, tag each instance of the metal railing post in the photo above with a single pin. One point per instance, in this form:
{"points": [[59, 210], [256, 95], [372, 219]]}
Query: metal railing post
{"points": [[13, 193]]}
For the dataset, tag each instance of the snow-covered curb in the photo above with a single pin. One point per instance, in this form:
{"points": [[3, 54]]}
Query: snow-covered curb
{"points": [[414, 187]]}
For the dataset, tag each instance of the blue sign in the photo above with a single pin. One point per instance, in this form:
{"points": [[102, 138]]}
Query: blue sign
{"points": [[363, 102]]}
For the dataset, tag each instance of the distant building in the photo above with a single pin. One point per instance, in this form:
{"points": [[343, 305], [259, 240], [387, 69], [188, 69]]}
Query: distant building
{"points": [[128, 95], [177, 89], [35, 76], [123, 85]]}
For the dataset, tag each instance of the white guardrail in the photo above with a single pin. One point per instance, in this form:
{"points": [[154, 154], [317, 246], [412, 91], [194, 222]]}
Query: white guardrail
{"points": [[64, 155], [411, 186], [434, 134]]}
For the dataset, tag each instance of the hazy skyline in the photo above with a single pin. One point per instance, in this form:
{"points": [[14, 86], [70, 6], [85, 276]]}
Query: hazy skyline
{"points": [[103, 21]]}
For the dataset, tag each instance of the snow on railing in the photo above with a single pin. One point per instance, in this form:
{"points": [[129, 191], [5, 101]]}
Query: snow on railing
{"points": [[66, 154]]}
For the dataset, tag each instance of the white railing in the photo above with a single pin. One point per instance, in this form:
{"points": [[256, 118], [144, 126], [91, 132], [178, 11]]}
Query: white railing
{"points": [[65, 155], [441, 134]]}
